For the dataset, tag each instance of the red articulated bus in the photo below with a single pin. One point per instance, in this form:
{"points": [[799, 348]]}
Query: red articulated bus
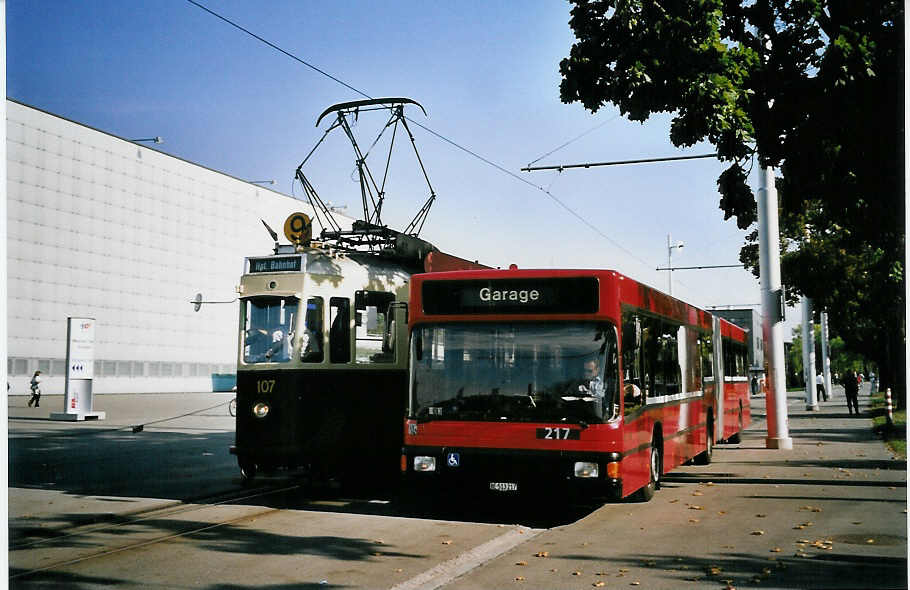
{"points": [[523, 380]]}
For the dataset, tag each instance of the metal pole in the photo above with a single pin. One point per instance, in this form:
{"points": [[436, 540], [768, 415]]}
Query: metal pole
{"points": [[826, 357], [809, 356], [890, 415], [669, 264], [772, 320]]}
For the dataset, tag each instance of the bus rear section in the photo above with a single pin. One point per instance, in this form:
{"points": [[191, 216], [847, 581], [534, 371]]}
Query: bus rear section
{"points": [[538, 381], [736, 395]]}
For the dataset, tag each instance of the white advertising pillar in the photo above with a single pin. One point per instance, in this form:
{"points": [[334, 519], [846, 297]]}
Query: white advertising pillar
{"points": [[80, 367]]}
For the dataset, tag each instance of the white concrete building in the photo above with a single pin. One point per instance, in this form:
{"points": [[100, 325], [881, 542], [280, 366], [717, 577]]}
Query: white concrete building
{"points": [[102, 227]]}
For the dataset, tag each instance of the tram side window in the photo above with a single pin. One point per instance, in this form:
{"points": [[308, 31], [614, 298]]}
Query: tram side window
{"points": [[372, 327], [311, 344], [269, 324], [340, 331]]}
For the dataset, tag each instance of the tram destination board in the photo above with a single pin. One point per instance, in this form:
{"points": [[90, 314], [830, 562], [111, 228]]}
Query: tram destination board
{"points": [[563, 295], [282, 264]]}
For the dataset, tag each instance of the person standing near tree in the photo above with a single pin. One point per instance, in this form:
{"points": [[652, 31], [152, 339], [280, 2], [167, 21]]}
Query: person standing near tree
{"points": [[820, 387], [851, 390]]}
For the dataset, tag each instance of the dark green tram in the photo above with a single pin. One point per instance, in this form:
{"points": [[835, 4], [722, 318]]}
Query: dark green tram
{"points": [[322, 368]]}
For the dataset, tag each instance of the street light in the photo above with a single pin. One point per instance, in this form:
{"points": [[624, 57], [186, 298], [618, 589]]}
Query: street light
{"points": [[151, 139], [261, 181], [670, 247]]}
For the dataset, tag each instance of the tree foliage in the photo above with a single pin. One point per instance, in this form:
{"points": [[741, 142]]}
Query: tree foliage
{"points": [[811, 87]]}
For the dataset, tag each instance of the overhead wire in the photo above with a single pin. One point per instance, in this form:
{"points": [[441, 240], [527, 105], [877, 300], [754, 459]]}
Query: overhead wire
{"points": [[574, 139], [553, 197]]}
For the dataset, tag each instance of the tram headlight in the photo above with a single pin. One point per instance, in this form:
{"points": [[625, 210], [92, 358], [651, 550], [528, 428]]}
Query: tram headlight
{"points": [[424, 463], [261, 410], [586, 469]]}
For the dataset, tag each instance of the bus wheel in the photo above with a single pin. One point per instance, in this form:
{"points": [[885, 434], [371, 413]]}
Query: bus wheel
{"points": [[704, 458], [247, 469], [654, 467], [735, 439]]}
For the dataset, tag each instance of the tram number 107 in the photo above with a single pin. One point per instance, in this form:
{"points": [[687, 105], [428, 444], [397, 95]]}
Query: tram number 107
{"points": [[265, 386], [558, 433]]}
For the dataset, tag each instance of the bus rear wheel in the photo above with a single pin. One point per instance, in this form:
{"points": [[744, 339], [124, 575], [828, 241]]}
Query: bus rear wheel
{"points": [[735, 439], [655, 464], [704, 458]]}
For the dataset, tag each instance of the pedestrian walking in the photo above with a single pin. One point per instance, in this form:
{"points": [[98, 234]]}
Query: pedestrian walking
{"points": [[851, 390], [820, 387], [36, 390]]}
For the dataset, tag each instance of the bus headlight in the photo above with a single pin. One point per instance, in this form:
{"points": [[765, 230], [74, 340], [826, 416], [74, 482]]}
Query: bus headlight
{"points": [[586, 469], [261, 410], [423, 463]]}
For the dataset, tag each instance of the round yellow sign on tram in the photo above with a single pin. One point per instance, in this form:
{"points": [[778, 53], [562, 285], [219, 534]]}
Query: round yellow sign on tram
{"points": [[298, 228]]}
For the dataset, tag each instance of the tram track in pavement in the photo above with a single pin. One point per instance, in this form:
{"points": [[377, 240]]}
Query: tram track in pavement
{"points": [[180, 508]]}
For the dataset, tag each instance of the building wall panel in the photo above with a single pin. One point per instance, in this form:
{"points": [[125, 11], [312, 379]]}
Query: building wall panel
{"points": [[99, 226]]}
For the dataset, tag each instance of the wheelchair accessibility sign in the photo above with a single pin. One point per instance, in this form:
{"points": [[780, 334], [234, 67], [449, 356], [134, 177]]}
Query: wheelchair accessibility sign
{"points": [[453, 459]]}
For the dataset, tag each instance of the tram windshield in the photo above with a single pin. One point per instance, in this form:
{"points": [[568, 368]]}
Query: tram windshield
{"points": [[269, 324], [529, 372]]}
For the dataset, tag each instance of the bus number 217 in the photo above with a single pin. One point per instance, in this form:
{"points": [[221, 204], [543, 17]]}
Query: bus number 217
{"points": [[550, 433]]}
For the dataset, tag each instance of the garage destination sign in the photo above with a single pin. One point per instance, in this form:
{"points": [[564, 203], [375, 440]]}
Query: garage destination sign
{"points": [[511, 296]]}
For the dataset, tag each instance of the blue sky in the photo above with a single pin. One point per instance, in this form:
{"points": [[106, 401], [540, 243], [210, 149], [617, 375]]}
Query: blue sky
{"points": [[487, 74]]}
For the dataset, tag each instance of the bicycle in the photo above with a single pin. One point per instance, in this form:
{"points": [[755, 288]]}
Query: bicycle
{"points": [[232, 407]]}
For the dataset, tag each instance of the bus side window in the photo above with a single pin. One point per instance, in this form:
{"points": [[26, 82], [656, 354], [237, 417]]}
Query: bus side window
{"points": [[631, 362], [311, 343], [611, 375], [651, 373], [707, 356], [340, 332]]}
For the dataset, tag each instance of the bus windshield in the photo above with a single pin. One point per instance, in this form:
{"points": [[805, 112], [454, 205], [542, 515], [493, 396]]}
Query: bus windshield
{"points": [[269, 324], [528, 372]]}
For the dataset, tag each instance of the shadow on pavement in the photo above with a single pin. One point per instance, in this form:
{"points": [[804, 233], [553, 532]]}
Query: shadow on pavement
{"points": [[814, 570]]}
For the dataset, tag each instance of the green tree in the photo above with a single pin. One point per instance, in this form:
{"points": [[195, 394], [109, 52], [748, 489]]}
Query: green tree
{"points": [[841, 358], [811, 87]]}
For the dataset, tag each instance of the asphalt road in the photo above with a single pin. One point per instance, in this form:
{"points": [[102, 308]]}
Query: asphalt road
{"points": [[95, 504]]}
